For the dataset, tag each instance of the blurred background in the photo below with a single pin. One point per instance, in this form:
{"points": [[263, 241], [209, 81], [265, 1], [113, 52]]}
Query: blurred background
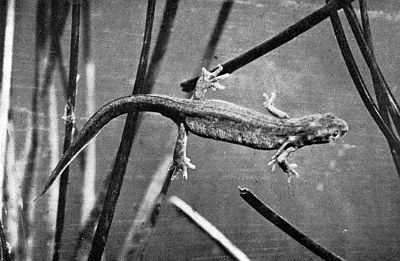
{"points": [[348, 195]]}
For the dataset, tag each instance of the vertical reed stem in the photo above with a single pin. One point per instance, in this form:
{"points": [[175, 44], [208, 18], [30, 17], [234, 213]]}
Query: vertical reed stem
{"points": [[69, 125], [118, 172], [88, 186], [6, 89]]}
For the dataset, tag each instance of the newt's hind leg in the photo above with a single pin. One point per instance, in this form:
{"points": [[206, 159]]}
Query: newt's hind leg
{"points": [[281, 160], [180, 162]]}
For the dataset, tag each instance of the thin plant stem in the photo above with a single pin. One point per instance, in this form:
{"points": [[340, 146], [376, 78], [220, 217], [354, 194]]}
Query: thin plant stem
{"points": [[365, 24], [28, 192], [146, 217], [54, 145], [12, 194], [86, 232], [6, 88], [20, 168], [5, 251], [209, 229], [286, 227], [390, 103], [281, 38], [88, 187], [357, 78], [57, 22], [118, 172], [69, 124], [216, 34], [161, 44]]}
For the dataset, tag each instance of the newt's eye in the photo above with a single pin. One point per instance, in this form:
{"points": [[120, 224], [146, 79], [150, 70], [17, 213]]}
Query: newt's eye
{"points": [[336, 134]]}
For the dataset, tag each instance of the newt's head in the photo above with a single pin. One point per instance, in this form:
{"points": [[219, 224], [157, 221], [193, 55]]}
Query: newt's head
{"points": [[324, 128]]}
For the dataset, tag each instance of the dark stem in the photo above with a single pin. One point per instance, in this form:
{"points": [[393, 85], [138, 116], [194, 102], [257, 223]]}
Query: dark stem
{"points": [[5, 251], [365, 24], [161, 45], [388, 106], [386, 100], [283, 37], [69, 125], [286, 227], [118, 172], [357, 78], [216, 34]]}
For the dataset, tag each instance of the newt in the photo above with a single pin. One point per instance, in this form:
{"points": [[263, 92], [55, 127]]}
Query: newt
{"points": [[218, 120]]}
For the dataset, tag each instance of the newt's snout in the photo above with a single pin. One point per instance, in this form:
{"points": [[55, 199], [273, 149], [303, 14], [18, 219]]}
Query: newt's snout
{"points": [[340, 128], [328, 128]]}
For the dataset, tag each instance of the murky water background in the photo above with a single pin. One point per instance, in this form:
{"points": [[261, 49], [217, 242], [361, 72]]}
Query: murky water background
{"points": [[348, 195]]}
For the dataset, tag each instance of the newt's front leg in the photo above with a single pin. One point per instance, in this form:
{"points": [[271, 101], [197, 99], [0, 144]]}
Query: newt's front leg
{"points": [[208, 80]]}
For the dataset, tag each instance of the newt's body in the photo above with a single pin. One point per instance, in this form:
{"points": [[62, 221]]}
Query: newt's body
{"points": [[214, 119], [225, 121]]}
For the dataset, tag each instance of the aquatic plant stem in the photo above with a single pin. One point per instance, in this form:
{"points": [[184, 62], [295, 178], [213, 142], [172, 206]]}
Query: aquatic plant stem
{"points": [[89, 172], [118, 172], [283, 37], [387, 104], [209, 229], [386, 100], [286, 227], [219, 25], [6, 89], [161, 44], [5, 251], [147, 214], [69, 122], [362, 89], [54, 144], [28, 191], [357, 78]]}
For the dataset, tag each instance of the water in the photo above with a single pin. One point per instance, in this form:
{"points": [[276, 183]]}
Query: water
{"points": [[347, 197]]}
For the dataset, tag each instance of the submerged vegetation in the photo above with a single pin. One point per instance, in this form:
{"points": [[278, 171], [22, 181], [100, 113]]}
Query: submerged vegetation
{"points": [[19, 174]]}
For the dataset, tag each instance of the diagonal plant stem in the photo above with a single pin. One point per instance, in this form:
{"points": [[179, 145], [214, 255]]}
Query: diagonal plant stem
{"points": [[69, 124], [162, 42], [283, 37], [216, 34], [194, 217], [365, 23], [118, 172], [286, 227], [147, 214]]}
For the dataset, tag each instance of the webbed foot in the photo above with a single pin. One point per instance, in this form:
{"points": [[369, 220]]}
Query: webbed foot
{"points": [[281, 159], [208, 80], [180, 166]]}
